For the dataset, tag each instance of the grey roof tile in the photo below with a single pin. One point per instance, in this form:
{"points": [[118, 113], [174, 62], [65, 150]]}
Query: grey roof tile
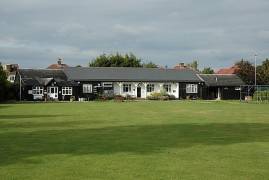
{"points": [[130, 74], [221, 79]]}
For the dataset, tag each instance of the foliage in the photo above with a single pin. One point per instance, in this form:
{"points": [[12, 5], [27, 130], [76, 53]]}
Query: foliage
{"points": [[118, 60], [150, 65], [154, 96], [207, 70], [246, 71], [263, 73], [193, 65], [4, 84], [162, 95], [119, 98]]}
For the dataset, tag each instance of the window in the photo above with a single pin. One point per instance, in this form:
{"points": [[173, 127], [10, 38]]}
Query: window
{"points": [[237, 88], [126, 87], [107, 84], [37, 90], [51, 90], [11, 78], [150, 87], [191, 88], [167, 88], [67, 91], [87, 88]]}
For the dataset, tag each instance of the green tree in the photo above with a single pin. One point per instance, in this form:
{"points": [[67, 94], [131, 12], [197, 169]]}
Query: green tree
{"points": [[150, 65], [193, 65], [207, 70], [246, 71], [117, 60], [3, 84], [263, 73]]}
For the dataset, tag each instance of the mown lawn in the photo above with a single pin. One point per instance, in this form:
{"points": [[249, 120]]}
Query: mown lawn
{"points": [[134, 140]]}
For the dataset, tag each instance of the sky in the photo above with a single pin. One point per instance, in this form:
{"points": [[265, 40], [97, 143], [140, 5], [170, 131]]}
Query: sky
{"points": [[34, 33]]}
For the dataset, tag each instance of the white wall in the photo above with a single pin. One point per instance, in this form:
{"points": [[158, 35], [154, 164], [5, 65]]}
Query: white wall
{"points": [[118, 88]]}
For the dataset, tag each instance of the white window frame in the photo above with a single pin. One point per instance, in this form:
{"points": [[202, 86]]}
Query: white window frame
{"points": [[126, 88], [150, 88], [67, 91], [191, 88], [107, 84], [87, 88], [11, 78], [237, 88], [37, 90], [167, 88]]}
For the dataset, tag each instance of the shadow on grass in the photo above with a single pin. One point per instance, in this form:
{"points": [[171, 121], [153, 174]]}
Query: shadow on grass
{"points": [[20, 116], [3, 106], [147, 139]]}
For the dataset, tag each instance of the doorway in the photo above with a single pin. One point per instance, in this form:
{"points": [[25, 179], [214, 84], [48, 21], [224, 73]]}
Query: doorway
{"points": [[138, 92], [52, 92]]}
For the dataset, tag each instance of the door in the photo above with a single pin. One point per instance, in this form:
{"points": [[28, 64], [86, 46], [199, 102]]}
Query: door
{"points": [[138, 92], [53, 92]]}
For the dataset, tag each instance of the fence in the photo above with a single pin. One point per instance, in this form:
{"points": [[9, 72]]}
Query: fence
{"points": [[258, 93]]}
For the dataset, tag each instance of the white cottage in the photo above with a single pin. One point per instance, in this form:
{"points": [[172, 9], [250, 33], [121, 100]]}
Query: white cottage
{"points": [[137, 82]]}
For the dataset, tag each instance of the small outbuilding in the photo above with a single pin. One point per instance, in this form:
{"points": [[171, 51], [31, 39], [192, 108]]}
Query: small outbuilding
{"points": [[221, 86], [44, 84]]}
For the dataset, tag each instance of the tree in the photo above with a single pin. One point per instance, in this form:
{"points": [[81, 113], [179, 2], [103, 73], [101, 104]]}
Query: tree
{"points": [[246, 71], [3, 84], [150, 65], [118, 60], [263, 73], [193, 65], [207, 70]]}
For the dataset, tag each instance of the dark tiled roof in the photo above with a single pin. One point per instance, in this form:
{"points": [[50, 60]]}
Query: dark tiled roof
{"points": [[34, 77], [42, 73], [130, 74], [221, 79]]}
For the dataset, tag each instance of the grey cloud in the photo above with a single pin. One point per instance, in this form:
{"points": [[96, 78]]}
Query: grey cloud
{"points": [[35, 32]]}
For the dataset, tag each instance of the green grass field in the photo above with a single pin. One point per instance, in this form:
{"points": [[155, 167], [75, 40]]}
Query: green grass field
{"points": [[135, 140]]}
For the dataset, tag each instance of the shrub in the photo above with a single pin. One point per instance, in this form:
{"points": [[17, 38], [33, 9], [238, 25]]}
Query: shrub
{"points": [[172, 97], [159, 96], [154, 96], [129, 97], [164, 98], [119, 98]]}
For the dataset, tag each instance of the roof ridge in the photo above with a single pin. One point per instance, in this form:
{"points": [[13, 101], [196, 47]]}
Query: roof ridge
{"points": [[163, 69], [218, 74]]}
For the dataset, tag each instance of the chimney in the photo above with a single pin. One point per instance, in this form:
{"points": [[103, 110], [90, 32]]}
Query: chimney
{"points": [[60, 60], [180, 66]]}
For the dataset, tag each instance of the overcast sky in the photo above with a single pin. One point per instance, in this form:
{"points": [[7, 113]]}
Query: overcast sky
{"points": [[34, 33]]}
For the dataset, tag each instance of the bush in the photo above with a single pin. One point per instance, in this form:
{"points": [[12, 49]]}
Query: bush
{"points": [[119, 98], [172, 97], [129, 97], [154, 96], [160, 96]]}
